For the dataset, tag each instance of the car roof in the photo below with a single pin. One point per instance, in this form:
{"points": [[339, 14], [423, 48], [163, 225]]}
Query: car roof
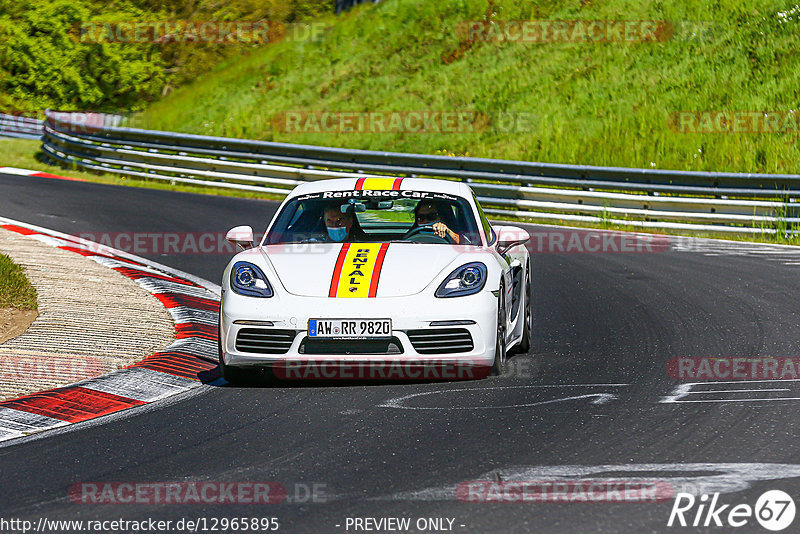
{"points": [[382, 183]]}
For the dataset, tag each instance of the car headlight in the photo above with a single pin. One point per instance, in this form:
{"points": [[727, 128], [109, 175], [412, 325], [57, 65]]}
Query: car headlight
{"points": [[247, 279], [466, 280]]}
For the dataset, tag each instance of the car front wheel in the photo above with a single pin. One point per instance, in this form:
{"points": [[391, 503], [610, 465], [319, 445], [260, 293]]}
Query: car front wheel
{"points": [[500, 339], [527, 329]]}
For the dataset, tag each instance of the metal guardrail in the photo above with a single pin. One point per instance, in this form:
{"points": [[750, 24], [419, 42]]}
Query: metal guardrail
{"points": [[726, 202], [17, 126]]}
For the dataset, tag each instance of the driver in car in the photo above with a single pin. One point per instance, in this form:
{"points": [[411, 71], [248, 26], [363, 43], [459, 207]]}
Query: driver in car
{"points": [[342, 227], [428, 212]]}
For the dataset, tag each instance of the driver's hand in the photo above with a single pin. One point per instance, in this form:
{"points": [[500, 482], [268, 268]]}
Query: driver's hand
{"points": [[442, 230]]}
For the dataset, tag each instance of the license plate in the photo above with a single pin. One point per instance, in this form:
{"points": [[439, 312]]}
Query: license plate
{"points": [[350, 328]]}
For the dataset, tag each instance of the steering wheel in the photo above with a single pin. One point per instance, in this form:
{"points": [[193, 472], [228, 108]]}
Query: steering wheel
{"points": [[426, 234]]}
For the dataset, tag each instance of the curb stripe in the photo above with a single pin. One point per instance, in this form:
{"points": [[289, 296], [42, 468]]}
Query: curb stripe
{"points": [[25, 421], [138, 273], [56, 177], [173, 300], [37, 174], [204, 331], [19, 229], [337, 271], [112, 263], [163, 286], [95, 255], [183, 314], [187, 363], [176, 363], [72, 404], [140, 384], [376, 273], [15, 424], [195, 347]]}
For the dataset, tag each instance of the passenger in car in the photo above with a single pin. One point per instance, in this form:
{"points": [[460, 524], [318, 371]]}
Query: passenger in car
{"points": [[342, 227]]}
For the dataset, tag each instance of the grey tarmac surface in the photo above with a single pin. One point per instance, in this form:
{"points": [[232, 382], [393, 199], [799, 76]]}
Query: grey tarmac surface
{"points": [[589, 393]]}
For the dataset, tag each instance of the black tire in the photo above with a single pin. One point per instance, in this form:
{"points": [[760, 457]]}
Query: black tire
{"points": [[527, 330], [500, 340]]}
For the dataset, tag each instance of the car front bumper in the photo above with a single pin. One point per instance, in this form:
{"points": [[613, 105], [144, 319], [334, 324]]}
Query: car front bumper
{"points": [[408, 314]]}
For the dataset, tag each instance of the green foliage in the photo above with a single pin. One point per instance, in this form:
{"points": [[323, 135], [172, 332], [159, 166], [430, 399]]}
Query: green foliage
{"points": [[44, 62]]}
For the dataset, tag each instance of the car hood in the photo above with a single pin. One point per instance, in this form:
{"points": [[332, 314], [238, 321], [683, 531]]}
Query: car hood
{"points": [[387, 270]]}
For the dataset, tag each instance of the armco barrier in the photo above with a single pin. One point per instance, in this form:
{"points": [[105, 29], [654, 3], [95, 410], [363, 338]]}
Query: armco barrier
{"points": [[19, 126], [647, 198]]}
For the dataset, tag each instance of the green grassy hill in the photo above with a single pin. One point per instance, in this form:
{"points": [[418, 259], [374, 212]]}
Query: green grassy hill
{"points": [[605, 103]]}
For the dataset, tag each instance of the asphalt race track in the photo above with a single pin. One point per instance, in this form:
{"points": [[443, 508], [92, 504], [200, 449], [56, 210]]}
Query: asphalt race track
{"points": [[594, 391]]}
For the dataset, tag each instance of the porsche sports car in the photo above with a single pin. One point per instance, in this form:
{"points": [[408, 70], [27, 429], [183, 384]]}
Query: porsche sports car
{"points": [[375, 270]]}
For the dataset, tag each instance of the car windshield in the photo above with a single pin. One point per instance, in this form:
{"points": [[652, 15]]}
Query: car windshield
{"points": [[375, 216]]}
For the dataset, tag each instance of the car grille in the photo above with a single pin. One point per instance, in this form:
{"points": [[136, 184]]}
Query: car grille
{"points": [[350, 346], [264, 341], [441, 340]]}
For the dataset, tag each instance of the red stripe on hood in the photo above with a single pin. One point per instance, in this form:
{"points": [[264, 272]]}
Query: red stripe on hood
{"points": [[337, 271], [376, 272]]}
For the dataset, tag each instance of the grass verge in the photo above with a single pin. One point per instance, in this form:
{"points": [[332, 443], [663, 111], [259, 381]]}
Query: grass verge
{"points": [[15, 289]]}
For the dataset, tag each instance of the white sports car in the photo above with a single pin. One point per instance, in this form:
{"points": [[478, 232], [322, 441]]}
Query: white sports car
{"points": [[376, 278]]}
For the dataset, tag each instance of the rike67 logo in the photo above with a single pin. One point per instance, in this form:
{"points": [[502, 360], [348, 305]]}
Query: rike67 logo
{"points": [[774, 510]]}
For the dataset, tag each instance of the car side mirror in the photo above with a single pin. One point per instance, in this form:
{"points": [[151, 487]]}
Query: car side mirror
{"points": [[241, 236], [509, 237]]}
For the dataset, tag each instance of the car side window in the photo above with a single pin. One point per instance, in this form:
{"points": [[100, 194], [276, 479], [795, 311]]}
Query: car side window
{"points": [[487, 228]]}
